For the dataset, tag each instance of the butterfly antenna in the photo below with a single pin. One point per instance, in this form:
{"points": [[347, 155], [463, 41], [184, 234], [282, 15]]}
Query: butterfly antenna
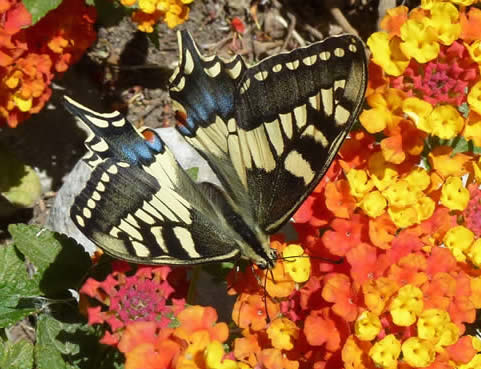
{"points": [[327, 260], [268, 318]]}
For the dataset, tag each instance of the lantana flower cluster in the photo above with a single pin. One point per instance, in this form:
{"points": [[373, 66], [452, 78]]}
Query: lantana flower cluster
{"points": [[150, 12], [147, 294], [31, 56], [386, 269]]}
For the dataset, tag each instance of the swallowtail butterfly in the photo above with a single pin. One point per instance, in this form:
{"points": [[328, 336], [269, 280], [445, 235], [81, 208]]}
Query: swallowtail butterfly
{"points": [[269, 132]]}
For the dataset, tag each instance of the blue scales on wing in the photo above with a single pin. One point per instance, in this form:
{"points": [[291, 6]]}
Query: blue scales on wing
{"points": [[139, 204]]}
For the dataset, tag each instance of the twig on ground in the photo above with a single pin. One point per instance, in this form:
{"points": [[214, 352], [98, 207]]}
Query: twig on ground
{"points": [[217, 45], [290, 30], [313, 31], [295, 34], [269, 48], [343, 22]]}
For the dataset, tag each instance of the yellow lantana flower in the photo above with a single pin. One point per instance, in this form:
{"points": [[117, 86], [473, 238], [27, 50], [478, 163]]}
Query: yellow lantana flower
{"points": [[148, 6], [298, 268], [445, 122], [474, 98], [420, 40], [359, 182], [367, 326], [373, 204], [407, 305], [418, 110], [385, 352], [445, 19], [431, 323], [454, 195], [474, 50], [282, 333], [472, 130], [213, 356], [417, 352], [387, 53], [381, 172], [418, 179], [459, 237], [399, 194], [425, 207], [403, 217], [22, 103]]}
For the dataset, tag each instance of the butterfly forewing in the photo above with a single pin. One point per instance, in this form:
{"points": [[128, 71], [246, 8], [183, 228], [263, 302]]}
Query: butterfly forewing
{"points": [[286, 119], [293, 112], [139, 204]]}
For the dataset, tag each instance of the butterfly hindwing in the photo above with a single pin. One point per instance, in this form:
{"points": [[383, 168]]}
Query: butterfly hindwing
{"points": [[283, 124], [139, 204]]}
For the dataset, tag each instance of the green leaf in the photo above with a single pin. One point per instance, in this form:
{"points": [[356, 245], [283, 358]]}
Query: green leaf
{"points": [[19, 184], [11, 311], [13, 271], [61, 263], [39, 9], [18, 291], [17, 355], [52, 345], [459, 145], [464, 109], [154, 36], [62, 345], [193, 173]]}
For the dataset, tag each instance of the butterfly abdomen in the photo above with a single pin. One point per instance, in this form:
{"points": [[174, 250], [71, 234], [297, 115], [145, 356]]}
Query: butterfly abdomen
{"points": [[253, 242]]}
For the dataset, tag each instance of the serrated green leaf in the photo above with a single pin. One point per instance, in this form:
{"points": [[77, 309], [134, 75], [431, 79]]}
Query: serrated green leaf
{"points": [[13, 271], [50, 348], [19, 184], [13, 306], [61, 263], [39, 9], [193, 173], [9, 317], [17, 290], [17, 355], [62, 345]]}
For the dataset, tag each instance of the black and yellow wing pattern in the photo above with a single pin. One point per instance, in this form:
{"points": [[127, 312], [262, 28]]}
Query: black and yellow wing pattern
{"points": [[269, 132], [139, 204], [281, 124]]}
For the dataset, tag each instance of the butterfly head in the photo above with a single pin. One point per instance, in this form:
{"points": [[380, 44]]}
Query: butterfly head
{"points": [[258, 250], [267, 262]]}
